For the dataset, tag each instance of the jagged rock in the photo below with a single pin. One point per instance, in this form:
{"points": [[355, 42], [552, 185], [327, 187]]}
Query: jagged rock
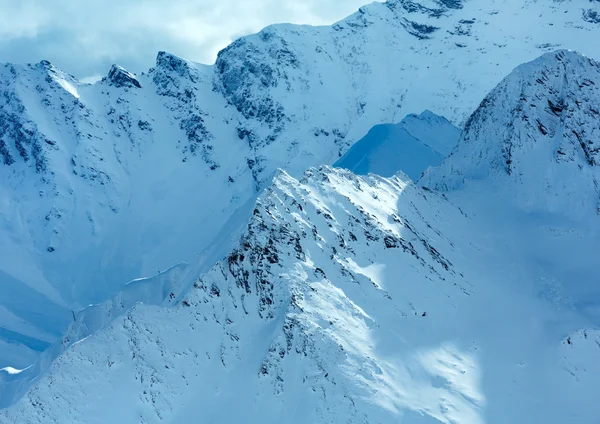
{"points": [[171, 63], [591, 15], [174, 77], [120, 77]]}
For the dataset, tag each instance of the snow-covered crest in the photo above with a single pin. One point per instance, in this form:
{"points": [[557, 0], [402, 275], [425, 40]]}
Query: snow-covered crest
{"points": [[413, 145], [121, 77], [347, 299], [539, 132]]}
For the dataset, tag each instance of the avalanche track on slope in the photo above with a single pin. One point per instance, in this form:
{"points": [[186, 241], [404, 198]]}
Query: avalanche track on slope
{"points": [[364, 299]]}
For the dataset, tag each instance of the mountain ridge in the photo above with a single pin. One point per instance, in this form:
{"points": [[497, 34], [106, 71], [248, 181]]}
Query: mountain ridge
{"points": [[309, 298], [544, 113], [108, 184], [308, 312]]}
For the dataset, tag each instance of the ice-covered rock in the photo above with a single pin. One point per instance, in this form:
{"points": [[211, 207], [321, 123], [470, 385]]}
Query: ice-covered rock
{"points": [[121, 77]]}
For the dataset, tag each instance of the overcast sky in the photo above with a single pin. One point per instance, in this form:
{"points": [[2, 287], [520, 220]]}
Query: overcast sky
{"points": [[84, 37]]}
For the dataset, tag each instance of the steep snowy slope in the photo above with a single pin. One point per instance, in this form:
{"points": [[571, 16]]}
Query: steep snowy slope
{"points": [[366, 299], [348, 299], [413, 145], [101, 184], [117, 195], [433, 130], [537, 135]]}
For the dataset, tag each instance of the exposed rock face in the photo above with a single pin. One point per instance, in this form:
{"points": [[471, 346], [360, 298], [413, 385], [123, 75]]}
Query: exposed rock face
{"points": [[433, 9], [175, 77], [120, 77], [591, 15]]}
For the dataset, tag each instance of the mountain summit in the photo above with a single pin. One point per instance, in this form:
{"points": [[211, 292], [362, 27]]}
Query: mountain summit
{"points": [[539, 133]]}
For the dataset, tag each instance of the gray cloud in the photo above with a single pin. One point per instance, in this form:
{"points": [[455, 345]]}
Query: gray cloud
{"points": [[85, 37]]}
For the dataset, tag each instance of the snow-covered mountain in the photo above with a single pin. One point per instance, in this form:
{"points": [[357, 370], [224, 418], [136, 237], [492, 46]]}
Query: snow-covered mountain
{"points": [[106, 183], [365, 299], [413, 145], [545, 112]]}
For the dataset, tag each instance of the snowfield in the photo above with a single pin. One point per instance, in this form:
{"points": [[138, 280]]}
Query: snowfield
{"points": [[412, 146], [165, 254]]}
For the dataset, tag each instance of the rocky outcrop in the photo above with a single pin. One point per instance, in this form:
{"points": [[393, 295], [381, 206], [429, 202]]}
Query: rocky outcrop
{"points": [[591, 15], [436, 10], [120, 77], [174, 77]]}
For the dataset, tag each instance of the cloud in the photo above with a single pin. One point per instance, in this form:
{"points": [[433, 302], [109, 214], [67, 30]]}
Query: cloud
{"points": [[85, 37]]}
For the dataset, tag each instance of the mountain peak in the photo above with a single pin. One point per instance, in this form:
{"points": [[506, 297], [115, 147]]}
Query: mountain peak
{"points": [[121, 77], [170, 62], [45, 64], [539, 128], [413, 145]]}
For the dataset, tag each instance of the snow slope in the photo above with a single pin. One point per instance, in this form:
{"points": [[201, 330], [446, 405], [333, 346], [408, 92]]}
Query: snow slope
{"points": [[413, 145], [348, 299], [537, 133], [364, 299], [107, 183]]}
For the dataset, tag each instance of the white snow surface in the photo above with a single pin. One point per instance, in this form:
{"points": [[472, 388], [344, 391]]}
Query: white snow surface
{"points": [[126, 178], [351, 299], [413, 145]]}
